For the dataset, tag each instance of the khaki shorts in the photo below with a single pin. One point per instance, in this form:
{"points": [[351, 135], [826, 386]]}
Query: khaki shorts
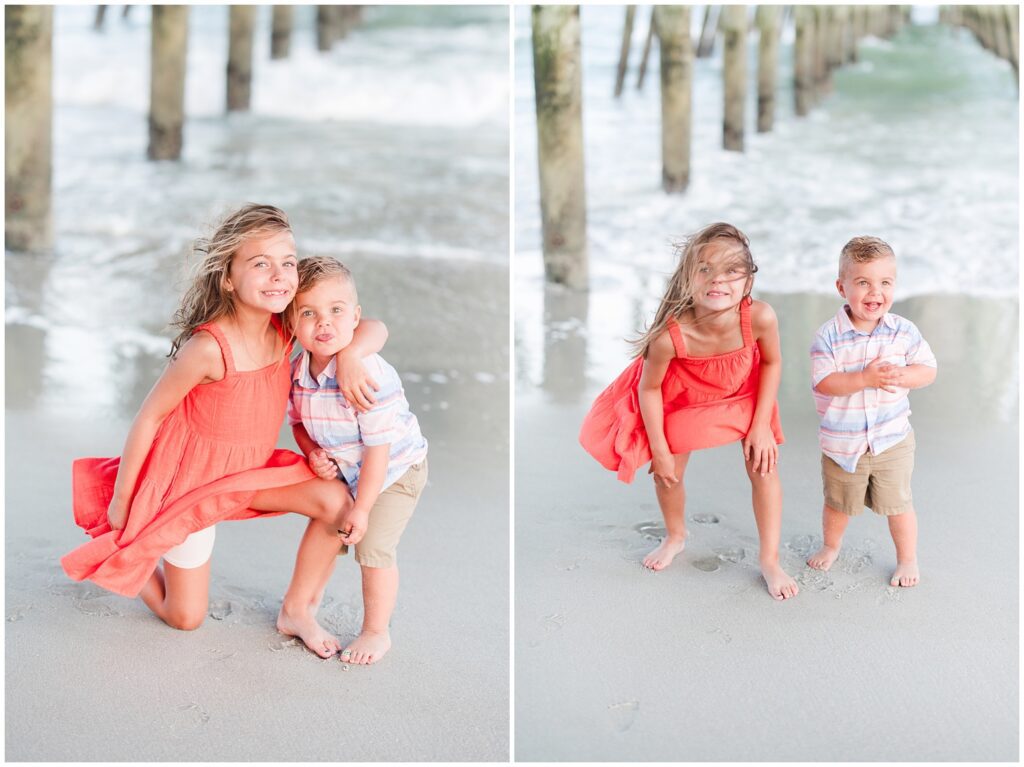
{"points": [[881, 482], [388, 518]]}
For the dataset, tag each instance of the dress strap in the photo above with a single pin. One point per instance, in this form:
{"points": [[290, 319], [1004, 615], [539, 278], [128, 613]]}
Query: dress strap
{"points": [[222, 342], [677, 337], [748, 333]]}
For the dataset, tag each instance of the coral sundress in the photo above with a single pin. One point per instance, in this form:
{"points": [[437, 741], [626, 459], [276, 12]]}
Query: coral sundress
{"points": [[210, 457], [709, 401]]}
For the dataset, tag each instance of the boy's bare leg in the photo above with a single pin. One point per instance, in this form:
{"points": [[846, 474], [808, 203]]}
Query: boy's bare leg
{"points": [[833, 525], [903, 528], [179, 595], [380, 592], [314, 565], [766, 492], [672, 502]]}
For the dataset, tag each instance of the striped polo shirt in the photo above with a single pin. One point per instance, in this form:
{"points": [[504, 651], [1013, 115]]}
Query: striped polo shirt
{"points": [[871, 419], [342, 431]]}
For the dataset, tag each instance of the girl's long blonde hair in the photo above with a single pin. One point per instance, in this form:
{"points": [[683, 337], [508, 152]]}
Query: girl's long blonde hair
{"points": [[207, 298], [679, 295]]}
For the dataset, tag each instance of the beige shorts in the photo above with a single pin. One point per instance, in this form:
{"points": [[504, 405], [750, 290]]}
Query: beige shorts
{"points": [[881, 482], [388, 518], [194, 551]]}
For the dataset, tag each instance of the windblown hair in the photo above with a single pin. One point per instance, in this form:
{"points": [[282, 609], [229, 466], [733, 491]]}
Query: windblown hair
{"points": [[679, 296], [315, 269], [861, 250], [207, 297]]}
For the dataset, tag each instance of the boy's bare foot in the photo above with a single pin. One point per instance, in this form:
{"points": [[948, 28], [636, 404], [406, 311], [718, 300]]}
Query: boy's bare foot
{"points": [[906, 574], [662, 556], [367, 648], [303, 625], [780, 585], [823, 558]]}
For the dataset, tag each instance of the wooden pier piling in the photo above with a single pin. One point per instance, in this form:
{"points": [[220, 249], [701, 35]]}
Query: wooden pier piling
{"points": [[242, 27], [627, 39], [768, 17], [803, 45], [28, 134], [676, 55], [558, 88], [169, 34], [646, 54], [734, 75], [282, 18]]}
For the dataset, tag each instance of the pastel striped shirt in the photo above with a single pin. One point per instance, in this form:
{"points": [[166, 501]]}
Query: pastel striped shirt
{"points": [[342, 431], [871, 419]]}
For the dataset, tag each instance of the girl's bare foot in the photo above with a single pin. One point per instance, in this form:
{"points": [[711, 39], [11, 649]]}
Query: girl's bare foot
{"points": [[369, 647], [823, 558], [662, 556], [780, 585], [906, 574], [302, 624]]}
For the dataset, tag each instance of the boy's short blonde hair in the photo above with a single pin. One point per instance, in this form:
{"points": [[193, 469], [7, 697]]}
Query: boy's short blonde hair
{"points": [[861, 250], [315, 269]]}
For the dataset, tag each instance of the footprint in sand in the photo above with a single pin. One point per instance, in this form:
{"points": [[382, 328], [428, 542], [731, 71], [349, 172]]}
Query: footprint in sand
{"points": [[652, 531], [197, 713], [722, 634], [733, 554], [707, 564], [623, 714], [705, 519], [814, 580], [220, 609], [17, 613]]}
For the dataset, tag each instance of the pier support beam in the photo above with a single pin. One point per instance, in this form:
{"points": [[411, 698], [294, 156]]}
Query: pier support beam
{"points": [[242, 26], [28, 142], [734, 74], [167, 81], [803, 51], [558, 90], [768, 17], [281, 31], [627, 39], [676, 54]]}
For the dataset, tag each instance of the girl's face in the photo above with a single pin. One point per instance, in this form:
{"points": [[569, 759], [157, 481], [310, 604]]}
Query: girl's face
{"points": [[262, 273], [722, 278]]}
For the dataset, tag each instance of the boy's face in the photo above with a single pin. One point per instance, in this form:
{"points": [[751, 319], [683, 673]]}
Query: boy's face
{"points": [[326, 317], [868, 289]]}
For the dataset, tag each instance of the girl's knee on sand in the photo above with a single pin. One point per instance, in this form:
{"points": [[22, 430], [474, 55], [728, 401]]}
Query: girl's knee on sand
{"points": [[185, 618]]}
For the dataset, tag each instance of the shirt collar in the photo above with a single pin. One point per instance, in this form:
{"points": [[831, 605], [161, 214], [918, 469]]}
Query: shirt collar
{"points": [[845, 324], [304, 378]]}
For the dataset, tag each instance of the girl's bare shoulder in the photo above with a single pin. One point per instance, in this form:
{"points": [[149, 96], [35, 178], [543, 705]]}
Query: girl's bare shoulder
{"points": [[202, 352], [762, 317]]}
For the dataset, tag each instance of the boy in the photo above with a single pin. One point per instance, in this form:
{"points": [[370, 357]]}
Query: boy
{"points": [[380, 453], [863, 362]]}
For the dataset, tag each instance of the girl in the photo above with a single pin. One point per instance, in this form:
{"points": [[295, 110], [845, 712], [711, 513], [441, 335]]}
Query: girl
{"points": [[706, 374], [201, 449]]}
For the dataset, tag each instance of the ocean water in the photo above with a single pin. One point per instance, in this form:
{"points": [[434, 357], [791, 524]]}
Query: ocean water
{"points": [[393, 145], [917, 144]]}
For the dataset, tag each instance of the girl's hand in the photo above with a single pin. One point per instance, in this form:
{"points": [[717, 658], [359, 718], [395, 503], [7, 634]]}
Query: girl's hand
{"points": [[355, 383], [322, 464], [117, 515], [663, 467], [760, 449]]}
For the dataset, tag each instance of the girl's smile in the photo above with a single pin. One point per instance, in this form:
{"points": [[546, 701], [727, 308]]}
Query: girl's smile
{"points": [[263, 272]]}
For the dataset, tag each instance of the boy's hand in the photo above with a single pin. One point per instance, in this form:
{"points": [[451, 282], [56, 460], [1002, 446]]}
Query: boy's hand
{"points": [[879, 374], [117, 515], [663, 467], [355, 383], [354, 527], [760, 449], [321, 464]]}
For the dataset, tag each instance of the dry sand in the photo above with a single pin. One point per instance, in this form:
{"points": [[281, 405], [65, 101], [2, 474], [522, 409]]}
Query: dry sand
{"points": [[91, 676], [696, 662]]}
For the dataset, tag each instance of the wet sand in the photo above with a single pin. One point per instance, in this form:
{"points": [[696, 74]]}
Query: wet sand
{"points": [[697, 662], [91, 676]]}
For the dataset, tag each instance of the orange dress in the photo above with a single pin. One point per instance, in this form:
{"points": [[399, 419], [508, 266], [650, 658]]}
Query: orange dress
{"points": [[210, 457], [708, 401]]}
